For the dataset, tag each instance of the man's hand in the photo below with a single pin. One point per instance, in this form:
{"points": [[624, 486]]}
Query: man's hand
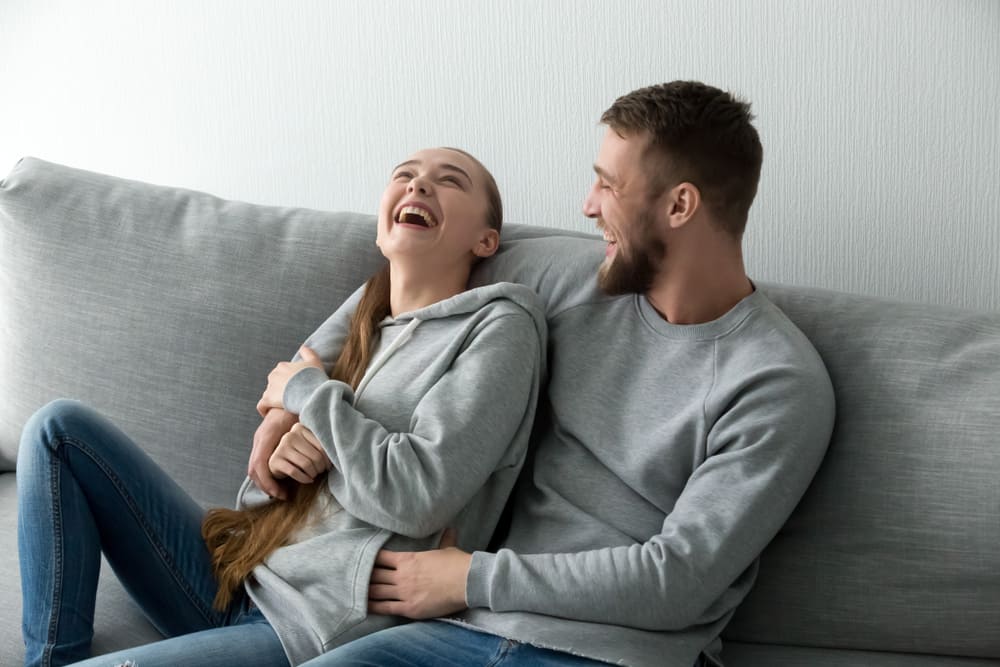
{"points": [[299, 455], [279, 376], [421, 584], [276, 423]]}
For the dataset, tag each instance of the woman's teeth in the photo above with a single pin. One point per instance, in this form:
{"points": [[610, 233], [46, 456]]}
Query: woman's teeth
{"points": [[415, 215]]}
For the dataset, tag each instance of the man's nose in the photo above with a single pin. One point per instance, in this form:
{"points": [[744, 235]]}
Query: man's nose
{"points": [[591, 206]]}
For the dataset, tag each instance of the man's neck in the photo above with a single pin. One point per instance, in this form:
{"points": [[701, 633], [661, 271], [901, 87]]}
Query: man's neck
{"points": [[702, 289], [413, 286]]}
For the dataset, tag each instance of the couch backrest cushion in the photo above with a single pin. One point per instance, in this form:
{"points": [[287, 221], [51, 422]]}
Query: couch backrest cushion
{"points": [[896, 545], [162, 307]]}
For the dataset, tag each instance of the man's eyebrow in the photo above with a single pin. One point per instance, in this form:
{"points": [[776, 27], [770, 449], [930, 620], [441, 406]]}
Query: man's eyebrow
{"points": [[604, 174]]}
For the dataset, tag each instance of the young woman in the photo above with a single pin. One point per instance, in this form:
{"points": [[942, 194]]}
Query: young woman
{"points": [[421, 424]]}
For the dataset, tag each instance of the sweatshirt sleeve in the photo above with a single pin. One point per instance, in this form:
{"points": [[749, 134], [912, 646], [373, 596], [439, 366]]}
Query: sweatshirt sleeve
{"points": [[414, 483], [329, 338], [763, 451]]}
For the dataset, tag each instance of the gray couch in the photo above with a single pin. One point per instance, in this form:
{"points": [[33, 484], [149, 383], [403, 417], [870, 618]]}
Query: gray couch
{"points": [[165, 309]]}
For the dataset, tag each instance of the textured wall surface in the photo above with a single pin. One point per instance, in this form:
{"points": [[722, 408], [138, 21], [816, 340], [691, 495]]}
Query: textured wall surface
{"points": [[881, 121]]}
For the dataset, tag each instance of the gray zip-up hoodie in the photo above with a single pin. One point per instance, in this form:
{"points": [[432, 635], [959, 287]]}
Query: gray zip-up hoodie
{"points": [[434, 437]]}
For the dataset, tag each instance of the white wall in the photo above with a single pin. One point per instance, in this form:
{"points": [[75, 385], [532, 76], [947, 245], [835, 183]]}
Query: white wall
{"points": [[881, 121]]}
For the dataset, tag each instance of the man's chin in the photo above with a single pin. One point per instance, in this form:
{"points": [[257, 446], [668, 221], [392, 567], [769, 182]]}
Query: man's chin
{"points": [[616, 277], [612, 280]]}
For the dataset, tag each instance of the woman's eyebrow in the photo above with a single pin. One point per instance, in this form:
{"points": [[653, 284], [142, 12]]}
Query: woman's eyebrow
{"points": [[404, 164], [453, 167], [444, 165]]}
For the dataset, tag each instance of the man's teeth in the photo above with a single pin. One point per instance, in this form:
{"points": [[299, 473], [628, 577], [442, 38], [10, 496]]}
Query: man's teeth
{"points": [[416, 210]]}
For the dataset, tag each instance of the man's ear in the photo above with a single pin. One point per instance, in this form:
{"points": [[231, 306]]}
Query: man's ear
{"points": [[488, 243], [683, 201]]}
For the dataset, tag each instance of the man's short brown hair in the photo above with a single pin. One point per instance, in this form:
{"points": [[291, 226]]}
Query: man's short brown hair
{"points": [[700, 135]]}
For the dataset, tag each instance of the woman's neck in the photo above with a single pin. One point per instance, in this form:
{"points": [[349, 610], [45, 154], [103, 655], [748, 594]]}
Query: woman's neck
{"points": [[413, 286]]}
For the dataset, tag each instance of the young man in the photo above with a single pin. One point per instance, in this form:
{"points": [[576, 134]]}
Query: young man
{"points": [[686, 416]]}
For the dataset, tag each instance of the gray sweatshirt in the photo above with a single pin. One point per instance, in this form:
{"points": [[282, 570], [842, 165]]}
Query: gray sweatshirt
{"points": [[669, 457], [434, 437]]}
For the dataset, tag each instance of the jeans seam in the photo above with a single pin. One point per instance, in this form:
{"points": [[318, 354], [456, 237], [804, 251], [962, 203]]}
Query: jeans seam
{"points": [[504, 649], [57, 557], [140, 517]]}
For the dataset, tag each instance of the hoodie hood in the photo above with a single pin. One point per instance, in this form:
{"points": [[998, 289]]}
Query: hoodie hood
{"points": [[475, 298], [469, 301]]}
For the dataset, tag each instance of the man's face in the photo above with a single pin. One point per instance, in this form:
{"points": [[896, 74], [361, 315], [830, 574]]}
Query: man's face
{"points": [[620, 202]]}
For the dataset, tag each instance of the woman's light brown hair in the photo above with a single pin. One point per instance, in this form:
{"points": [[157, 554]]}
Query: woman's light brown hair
{"points": [[240, 540]]}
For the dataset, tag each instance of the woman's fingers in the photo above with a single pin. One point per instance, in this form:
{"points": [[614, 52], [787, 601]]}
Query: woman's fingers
{"points": [[278, 378], [308, 436], [295, 457], [310, 446], [282, 467], [310, 357]]}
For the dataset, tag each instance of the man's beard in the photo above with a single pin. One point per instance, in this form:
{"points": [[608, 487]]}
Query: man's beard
{"points": [[636, 263]]}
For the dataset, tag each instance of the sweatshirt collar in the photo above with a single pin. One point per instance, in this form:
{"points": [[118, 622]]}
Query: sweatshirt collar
{"points": [[705, 330]]}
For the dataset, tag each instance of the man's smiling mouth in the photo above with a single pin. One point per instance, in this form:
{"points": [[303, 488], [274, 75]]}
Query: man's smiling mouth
{"points": [[612, 242]]}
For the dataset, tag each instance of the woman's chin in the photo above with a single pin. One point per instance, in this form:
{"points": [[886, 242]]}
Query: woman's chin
{"points": [[408, 252]]}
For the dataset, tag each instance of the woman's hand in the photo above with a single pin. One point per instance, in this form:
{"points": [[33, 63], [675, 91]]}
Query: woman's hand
{"points": [[421, 584], [278, 378], [299, 455], [276, 423]]}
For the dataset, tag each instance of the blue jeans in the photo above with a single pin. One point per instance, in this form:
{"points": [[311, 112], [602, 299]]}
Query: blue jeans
{"points": [[84, 487], [440, 644]]}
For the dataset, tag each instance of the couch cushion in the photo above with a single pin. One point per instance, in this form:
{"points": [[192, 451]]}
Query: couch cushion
{"points": [[163, 308], [736, 654], [895, 545]]}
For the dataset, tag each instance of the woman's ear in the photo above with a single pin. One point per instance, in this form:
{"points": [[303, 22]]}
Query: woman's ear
{"points": [[488, 243], [683, 201]]}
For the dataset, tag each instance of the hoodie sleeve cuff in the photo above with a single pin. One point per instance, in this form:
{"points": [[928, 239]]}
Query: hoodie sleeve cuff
{"points": [[477, 589], [301, 387]]}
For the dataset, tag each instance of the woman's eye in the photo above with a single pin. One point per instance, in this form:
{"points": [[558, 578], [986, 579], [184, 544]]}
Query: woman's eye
{"points": [[449, 179], [402, 175]]}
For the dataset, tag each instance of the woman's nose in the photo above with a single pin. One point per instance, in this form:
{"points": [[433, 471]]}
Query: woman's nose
{"points": [[419, 184]]}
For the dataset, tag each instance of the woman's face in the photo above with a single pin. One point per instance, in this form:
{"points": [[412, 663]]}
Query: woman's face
{"points": [[435, 208]]}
